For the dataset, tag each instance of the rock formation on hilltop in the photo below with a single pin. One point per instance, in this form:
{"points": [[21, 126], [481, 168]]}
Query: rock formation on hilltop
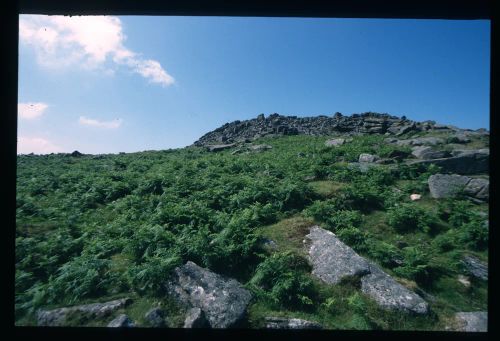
{"points": [[275, 124]]}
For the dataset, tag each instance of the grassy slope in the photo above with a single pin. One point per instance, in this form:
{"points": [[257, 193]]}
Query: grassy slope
{"points": [[111, 197]]}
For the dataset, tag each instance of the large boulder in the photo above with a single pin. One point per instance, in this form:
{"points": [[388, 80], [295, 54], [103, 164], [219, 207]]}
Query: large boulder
{"points": [[427, 153], [331, 259], [223, 300], [419, 141], [334, 261], [447, 186], [475, 267], [464, 162], [195, 318], [59, 316], [390, 294], [476, 321], [219, 147], [290, 323], [155, 318]]}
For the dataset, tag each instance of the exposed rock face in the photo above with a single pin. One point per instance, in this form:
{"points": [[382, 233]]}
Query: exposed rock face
{"points": [[427, 153], [290, 323], [476, 321], [476, 267], [275, 124], [57, 317], [446, 186], [390, 294], [222, 300], [219, 147], [419, 141], [331, 259], [195, 318], [155, 317], [121, 320], [464, 162], [368, 158]]}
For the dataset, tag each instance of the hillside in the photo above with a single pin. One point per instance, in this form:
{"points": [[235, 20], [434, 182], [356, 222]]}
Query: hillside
{"points": [[317, 219]]}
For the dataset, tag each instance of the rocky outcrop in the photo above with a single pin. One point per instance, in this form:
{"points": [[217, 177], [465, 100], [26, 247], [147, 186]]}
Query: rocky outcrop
{"points": [[121, 320], [333, 261], [390, 294], [463, 162], [290, 323], [58, 317], [475, 267], [219, 147], [447, 186], [476, 321], [222, 300], [420, 141], [275, 124]]}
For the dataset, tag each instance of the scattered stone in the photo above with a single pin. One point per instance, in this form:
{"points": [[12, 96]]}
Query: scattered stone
{"points": [[57, 317], [121, 320], [368, 158], [476, 321], [444, 185], [414, 197], [290, 323], [475, 267], [464, 280], [195, 318], [331, 259], [390, 294], [155, 317], [219, 147], [260, 147], [334, 142], [223, 300]]}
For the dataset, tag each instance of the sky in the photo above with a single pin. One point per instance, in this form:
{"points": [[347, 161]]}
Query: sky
{"points": [[107, 84]]}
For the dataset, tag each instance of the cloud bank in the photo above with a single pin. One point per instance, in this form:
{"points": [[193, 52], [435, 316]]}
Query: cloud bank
{"points": [[87, 41], [100, 124], [31, 110], [37, 145]]}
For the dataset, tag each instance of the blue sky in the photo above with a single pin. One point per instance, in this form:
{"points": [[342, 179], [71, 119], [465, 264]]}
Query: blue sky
{"points": [[131, 83]]}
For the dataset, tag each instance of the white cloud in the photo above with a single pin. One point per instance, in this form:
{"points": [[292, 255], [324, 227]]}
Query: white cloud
{"points": [[30, 111], [87, 41], [37, 145], [100, 124]]}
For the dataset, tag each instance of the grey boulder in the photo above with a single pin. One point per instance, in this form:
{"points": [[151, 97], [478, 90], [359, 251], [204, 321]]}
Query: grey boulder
{"points": [[419, 141], [464, 162], [290, 323], [427, 153], [476, 321], [222, 300], [450, 185], [331, 259], [368, 158], [57, 317], [476, 267], [390, 294], [335, 142], [219, 147], [121, 320]]}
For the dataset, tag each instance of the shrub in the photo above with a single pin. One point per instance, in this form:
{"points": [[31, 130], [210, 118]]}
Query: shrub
{"points": [[362, 196], [284, 280], [386, 254], [407, 217], [353, 237], [342, 219], [416, 265], [321, 210], [474, 234], [446, 241]]}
